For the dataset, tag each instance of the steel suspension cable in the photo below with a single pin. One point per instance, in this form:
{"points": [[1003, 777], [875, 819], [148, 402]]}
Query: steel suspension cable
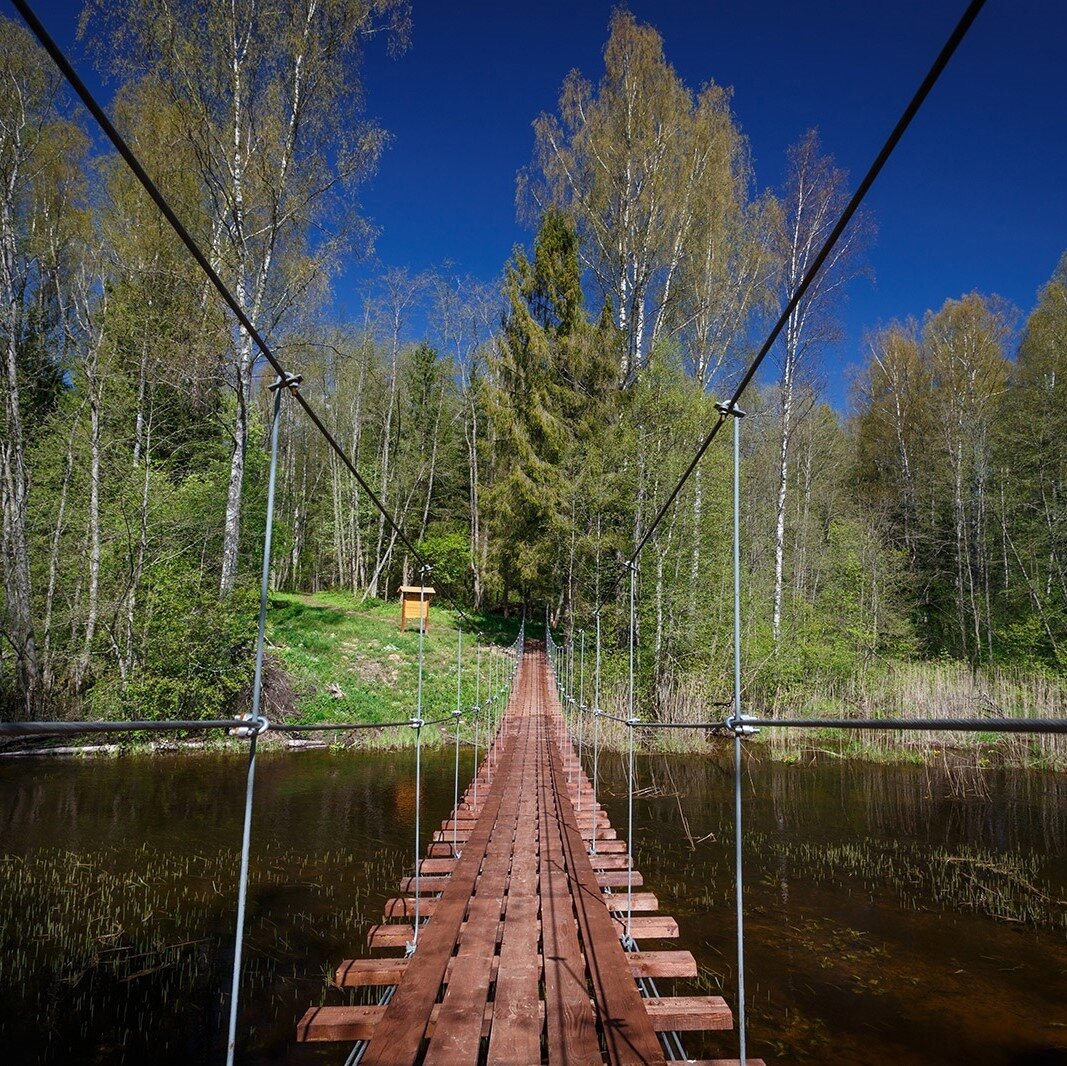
{"points": [[924, 725], [630, 722], [891, 142], [596, 742], [457, 714], [581, 715], [738, 719], [110, 131], [477, 714]]}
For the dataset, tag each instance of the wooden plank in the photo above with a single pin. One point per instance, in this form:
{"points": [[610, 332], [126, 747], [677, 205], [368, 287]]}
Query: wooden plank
{"points": [[401, 1031], [571, 1025], [427, 885], [390, 935], [460, 823], [611, 847], [605, 862], [444, 836], [436, 866], [606, 833], [458, 1034], [404, 906], [338, 1023], [348, 1024], [618, 879], [647, 926], [357, 973], [515, 1039], [720, 1062], [689, 1013], [626, 1027], [661, 964], [616, 901]]}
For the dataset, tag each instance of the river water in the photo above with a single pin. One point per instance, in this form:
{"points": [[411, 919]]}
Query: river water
{"points": [[893, 914]]}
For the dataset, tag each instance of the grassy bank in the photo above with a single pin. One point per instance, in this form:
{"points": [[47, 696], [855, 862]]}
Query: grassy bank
{"points": [[339, 659], [335, 658]]}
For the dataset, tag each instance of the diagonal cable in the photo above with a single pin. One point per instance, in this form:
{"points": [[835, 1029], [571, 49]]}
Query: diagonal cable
{"points": [[119, 142], [932, 75]]}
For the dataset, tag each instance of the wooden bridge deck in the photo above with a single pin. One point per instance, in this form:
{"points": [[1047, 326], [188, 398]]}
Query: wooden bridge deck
{"points": [[519, 956]]}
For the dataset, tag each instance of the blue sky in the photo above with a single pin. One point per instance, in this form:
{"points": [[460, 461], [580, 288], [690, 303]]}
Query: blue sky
{"points": [[974, 198]]}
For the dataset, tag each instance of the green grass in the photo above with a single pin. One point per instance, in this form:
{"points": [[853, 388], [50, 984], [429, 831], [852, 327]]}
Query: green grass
{"points": [[333, 639]]}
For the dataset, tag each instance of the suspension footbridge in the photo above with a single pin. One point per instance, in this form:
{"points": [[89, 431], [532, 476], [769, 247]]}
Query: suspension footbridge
{"points": [[520, 930], [519, 937]]}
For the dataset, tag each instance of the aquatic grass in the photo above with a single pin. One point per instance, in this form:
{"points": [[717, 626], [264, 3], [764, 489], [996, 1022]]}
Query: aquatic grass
{"points": [[889, 689]]}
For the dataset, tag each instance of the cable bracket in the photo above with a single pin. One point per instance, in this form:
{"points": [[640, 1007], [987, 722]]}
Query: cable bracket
{"points": [[728, 409], [739, 725], [255, 727], [292, 382]]}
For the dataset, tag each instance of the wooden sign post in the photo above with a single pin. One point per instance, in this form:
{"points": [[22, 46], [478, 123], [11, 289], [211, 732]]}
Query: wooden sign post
{"points": [[415, 606]]}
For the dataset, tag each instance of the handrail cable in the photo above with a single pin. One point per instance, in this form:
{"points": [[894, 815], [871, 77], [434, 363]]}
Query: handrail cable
{"points": [[596, 742], [947, 725], [417, 723], [38, 729]]}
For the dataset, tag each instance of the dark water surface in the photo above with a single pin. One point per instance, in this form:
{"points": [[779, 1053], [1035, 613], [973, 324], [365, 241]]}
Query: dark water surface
{"points": [[894, 914]]}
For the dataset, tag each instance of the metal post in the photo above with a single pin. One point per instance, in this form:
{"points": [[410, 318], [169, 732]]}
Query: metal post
{"points": [[581, 713], [417, 723], [739, 730], [457, 715], [477, 717], [491, 721], [596, 740], [631, 720], [258, 722]]}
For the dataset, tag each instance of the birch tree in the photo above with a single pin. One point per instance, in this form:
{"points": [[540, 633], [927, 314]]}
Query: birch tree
{"points": [[814, 197], [1031, 458], [465, 312], [269, 92], [639, 162], [40, 181], [964, 343]]}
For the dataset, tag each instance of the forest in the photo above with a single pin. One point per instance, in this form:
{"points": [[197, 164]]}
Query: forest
{"points": [[522, 431]]}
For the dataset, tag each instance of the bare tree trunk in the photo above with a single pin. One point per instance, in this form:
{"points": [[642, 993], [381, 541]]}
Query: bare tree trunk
{"points": [[471, 435], [93, 536], [47, 674], [17, 583], [694, 558], [433, 464], [786, 409], [137, 570]]}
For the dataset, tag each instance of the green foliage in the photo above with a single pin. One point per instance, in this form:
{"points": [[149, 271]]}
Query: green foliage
{"points": [[450, 556], [961, 456], [550, 389], [525, 453], [196, 660]]}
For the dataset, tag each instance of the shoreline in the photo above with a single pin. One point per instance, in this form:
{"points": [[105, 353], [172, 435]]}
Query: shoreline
{"points": [[804, 750]]}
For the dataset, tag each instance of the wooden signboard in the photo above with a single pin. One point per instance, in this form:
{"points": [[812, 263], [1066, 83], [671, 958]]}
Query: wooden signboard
{"points": [[415, 606]]}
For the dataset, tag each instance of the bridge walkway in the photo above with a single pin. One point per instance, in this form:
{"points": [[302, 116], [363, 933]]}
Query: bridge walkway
{"points": [[520, 957]]}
